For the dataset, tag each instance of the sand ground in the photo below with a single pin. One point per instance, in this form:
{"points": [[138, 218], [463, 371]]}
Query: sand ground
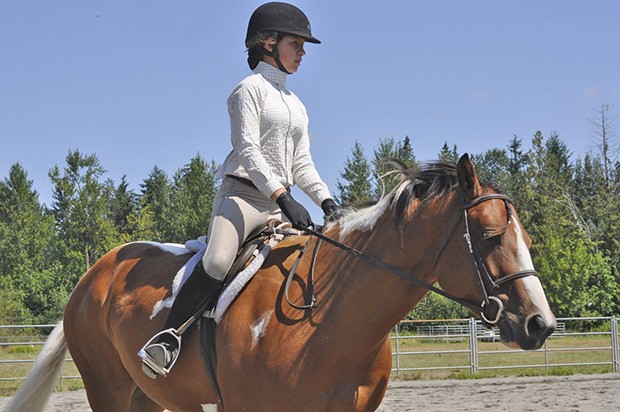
{"points": [[564, 393]]}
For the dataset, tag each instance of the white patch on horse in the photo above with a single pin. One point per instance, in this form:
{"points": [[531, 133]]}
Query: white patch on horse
{"points": [[365, 219], [259, 326], [209, 407], [173, 248], [523, 254], [532, 284]]}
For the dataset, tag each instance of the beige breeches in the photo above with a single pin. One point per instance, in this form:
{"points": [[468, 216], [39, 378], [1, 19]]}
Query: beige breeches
{"points": [[238, 210]]}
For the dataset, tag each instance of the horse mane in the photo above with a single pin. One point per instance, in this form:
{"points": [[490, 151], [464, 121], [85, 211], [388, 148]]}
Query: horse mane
{"points": [[432, 180]]}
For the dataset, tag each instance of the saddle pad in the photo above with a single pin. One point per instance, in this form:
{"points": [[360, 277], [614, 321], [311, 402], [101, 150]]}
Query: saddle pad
{"points": [[199, 246], [232, 290], [226, 297]]}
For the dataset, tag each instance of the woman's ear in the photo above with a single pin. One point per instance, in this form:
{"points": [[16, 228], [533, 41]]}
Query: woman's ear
{"points": [[269, 44]]}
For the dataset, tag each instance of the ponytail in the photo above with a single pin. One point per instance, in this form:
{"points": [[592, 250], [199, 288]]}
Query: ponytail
{"points": [[257, 48], [255, 55]]}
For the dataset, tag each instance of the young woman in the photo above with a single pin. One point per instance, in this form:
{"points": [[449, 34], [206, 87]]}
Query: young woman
{"points": [[270, 153]]}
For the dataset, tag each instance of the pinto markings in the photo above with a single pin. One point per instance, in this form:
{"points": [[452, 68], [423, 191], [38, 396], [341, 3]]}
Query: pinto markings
{"points": [[259, 326]]}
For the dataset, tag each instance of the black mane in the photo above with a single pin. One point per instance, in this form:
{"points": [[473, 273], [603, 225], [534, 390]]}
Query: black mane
{"points": [[432, 180]]}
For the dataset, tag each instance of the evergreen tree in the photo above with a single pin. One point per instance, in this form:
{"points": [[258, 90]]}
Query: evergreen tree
{"points": [[577, 278], [517, 159], [28, 249], [447, 155], [140, 226], [387, 150], [81, 209], [405, 153], [123, 205], [492, 167], [194, 191], [157, 216], [556, 165], [357, 173], [592, 201], [517, 184]]}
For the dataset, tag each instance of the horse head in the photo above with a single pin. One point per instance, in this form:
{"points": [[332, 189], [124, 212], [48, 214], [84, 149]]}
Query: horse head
{"points": [[500, 279]]}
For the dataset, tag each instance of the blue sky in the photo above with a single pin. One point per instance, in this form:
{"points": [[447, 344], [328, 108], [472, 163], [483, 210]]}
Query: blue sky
{"points": [[144, 83]]}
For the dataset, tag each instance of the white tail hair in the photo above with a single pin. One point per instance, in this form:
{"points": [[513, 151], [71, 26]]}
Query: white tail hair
{"points": [[42, 378]]}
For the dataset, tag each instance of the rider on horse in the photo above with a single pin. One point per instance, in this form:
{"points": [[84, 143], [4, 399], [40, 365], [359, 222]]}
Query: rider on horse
{"points": [[270, 152]]}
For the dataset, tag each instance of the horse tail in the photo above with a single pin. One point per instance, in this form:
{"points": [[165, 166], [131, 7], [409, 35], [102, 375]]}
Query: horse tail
{"points": [[42, 378]]}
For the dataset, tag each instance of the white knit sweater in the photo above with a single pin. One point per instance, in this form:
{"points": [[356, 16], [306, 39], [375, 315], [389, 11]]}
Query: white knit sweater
{"points": [[269, 134]]}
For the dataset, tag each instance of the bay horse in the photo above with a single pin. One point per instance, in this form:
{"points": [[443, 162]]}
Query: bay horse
{"points": [[440, 224]]}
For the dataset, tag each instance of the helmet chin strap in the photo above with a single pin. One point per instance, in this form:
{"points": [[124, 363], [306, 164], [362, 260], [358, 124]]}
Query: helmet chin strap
{"points": [[276, 56]]}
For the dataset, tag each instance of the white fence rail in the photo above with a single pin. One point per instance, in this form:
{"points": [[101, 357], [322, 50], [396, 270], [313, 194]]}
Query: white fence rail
{"points": [[459, 330]]}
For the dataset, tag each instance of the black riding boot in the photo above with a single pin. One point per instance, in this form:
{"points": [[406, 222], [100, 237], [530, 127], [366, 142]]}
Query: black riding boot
{"points": [[199, 290]]}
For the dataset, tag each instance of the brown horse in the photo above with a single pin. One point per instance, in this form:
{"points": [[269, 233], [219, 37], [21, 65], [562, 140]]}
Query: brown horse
{"points": [[336, 356]]}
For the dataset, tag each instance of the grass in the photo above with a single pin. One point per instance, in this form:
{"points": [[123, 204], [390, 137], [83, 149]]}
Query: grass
{"points": [[16, 361]]}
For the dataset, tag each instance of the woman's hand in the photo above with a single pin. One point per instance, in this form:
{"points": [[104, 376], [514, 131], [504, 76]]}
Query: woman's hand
{"points": [[294, 211], [332, 210]]}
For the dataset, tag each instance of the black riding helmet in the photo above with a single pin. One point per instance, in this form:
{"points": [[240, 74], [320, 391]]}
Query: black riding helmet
{"points": [[282, 19]]}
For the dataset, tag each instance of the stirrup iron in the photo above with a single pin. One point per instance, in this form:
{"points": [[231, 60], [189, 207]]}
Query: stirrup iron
{"points": [[149, 365]]}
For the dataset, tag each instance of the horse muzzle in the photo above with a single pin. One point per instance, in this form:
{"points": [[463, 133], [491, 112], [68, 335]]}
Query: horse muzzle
{"points": [[527, 333]]}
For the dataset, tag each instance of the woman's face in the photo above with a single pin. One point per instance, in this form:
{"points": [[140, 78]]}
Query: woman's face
{"points": [[290, 49]]}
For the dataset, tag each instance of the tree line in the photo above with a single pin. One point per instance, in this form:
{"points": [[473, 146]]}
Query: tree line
{"points": [[569, 206]]}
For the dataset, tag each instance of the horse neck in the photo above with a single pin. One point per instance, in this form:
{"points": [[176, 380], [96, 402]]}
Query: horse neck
{"points": [[361, 289]]}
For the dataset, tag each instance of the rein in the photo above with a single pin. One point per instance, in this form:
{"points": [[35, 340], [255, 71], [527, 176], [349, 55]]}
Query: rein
{"points": [[487, 284]]}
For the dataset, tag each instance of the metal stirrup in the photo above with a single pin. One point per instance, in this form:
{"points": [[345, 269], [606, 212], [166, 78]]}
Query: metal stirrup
{"points": [[163, 370]]}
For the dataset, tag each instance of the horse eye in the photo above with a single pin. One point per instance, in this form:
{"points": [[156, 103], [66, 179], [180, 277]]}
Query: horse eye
{"points": [[491, 235]]}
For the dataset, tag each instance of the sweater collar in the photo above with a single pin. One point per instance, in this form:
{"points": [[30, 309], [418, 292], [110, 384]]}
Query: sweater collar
{"points": [[273, 74]]}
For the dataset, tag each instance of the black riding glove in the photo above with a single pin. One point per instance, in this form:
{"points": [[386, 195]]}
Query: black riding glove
{"points": [[332, 210], [294, 211]]}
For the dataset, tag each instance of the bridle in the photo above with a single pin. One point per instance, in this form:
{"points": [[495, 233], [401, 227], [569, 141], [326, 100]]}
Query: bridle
{"points": [[485, 280]]}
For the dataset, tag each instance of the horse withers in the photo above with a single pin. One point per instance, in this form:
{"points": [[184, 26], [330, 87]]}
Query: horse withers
{"points": [[439, 224]]}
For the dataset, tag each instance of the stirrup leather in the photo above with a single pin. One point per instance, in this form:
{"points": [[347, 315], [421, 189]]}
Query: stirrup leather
{"points": [[152, 364]]}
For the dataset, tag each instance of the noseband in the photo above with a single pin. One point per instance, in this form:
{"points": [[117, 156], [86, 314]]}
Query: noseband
{"points": [[486, 282]]}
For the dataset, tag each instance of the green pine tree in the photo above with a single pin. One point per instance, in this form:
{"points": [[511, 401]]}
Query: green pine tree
{"points": [[81, 209], [357, 186], [29, 271]]}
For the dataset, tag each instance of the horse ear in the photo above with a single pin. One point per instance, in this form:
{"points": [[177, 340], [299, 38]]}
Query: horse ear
{"points": [[468, 181]]}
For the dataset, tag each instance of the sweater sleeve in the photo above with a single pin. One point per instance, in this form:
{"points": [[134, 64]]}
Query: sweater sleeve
{"points": [[244, 108]]}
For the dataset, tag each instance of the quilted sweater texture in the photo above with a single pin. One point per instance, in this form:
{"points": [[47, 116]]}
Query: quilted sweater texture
{"points": [[269, 135]]}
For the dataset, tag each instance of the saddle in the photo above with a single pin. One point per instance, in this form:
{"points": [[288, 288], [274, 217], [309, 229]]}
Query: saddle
{"points": [[254, 244], [215, 301], [248, 252]]}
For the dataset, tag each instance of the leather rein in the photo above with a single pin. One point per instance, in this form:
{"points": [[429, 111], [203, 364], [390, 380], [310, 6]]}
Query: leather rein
{"points": [[485, 280]]}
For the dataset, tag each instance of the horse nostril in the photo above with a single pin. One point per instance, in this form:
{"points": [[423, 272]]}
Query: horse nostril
{"points": [[536, 327]]}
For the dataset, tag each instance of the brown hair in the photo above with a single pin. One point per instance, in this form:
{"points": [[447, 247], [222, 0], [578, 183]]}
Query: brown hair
{"points": [[257, 49]]}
